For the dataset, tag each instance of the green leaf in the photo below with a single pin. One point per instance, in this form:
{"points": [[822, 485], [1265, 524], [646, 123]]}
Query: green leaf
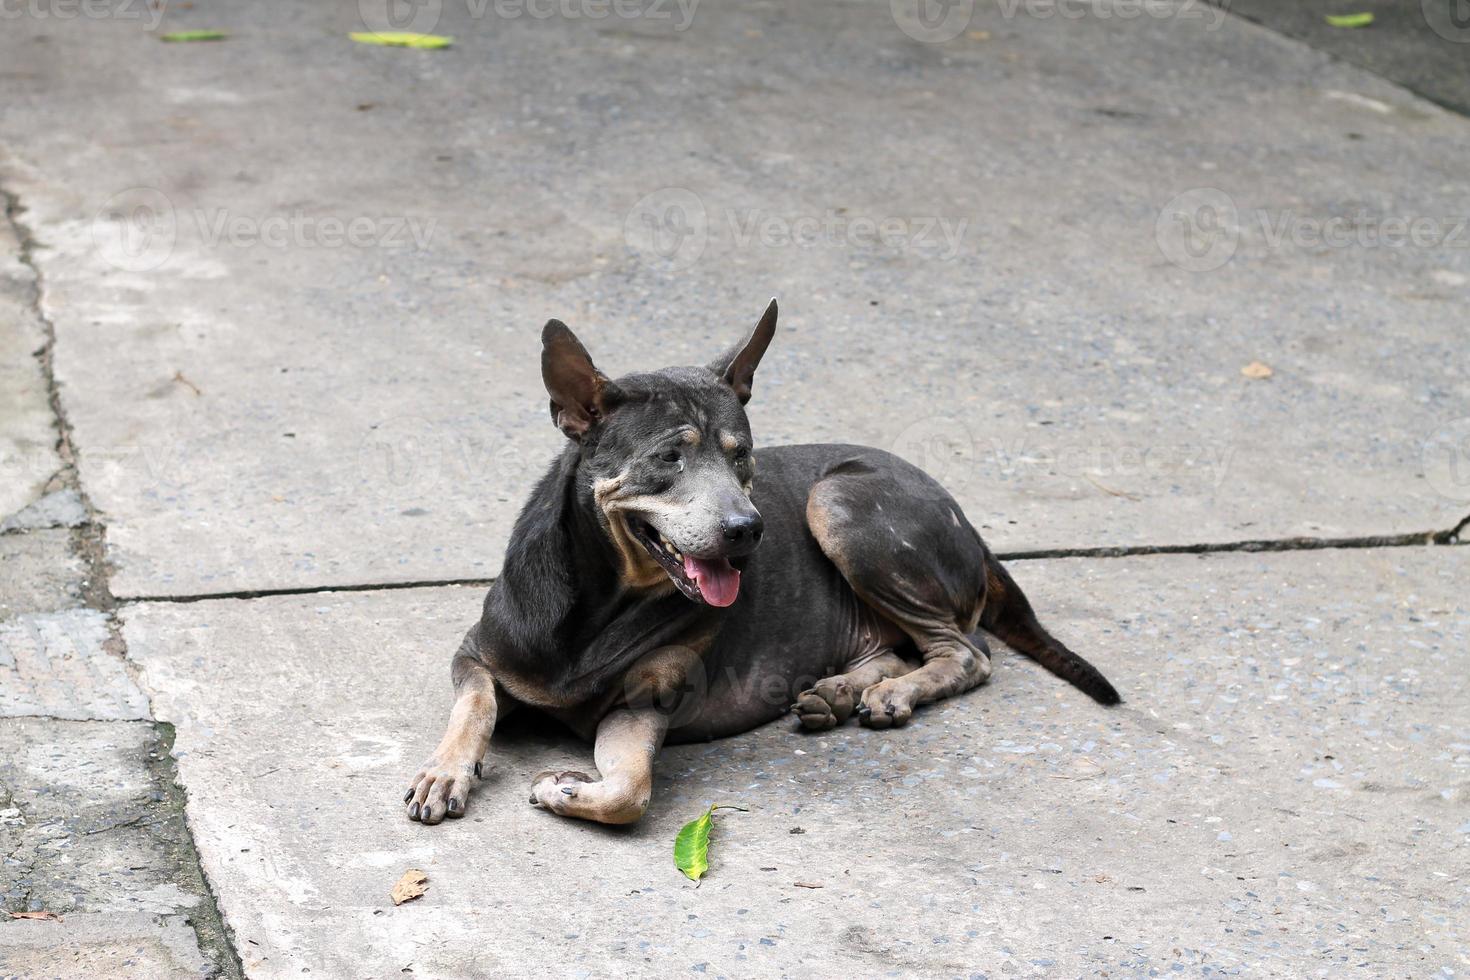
{"points": [[180, 37], [402, 39], [1350, 20], [691, 847]]}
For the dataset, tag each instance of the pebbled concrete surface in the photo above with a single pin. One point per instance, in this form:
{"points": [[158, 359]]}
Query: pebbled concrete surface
{"points": [[92, 832], [41, 572], [1284, 793], [28, 458], [128, 946], [63, 665], [259, 406]]}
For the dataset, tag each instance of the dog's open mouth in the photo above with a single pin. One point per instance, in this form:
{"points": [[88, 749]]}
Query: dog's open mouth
{"points": [[711, 580]]}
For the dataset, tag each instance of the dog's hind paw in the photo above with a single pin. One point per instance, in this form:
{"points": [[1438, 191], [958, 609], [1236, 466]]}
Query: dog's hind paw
{"points": [[825, 706], [551, 790], [887, 704]]}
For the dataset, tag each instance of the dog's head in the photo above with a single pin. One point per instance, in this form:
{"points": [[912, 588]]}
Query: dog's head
{"points": [[670, 460]]}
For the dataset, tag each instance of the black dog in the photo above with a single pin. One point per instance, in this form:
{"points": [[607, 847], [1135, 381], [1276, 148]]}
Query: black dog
{"points": [[635, 606]]}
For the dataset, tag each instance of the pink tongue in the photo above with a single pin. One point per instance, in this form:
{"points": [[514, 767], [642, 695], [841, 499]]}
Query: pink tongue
{"points": [[718, 580]]}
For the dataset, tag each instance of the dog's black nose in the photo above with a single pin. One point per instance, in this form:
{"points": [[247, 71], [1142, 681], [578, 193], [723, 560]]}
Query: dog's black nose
{"points": [[743, 532]]}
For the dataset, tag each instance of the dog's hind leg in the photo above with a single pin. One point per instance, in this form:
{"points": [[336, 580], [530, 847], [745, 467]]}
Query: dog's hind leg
{"points": [[831, 700], [441, 788], [627, 741], [907, 552]]}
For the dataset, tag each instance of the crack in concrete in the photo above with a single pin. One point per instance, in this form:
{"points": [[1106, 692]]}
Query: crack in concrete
{"points": [[1416, 539], [89, 542]]}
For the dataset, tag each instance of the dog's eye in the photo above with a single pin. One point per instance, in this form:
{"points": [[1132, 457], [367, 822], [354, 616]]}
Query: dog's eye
{"points": [[670, 456], [741, 452]]}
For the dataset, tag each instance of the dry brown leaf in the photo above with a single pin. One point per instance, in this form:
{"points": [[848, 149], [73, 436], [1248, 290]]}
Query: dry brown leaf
{"points": [[413, 884], [1256, 370], [978, 35], [48, 916], [806, 884]]}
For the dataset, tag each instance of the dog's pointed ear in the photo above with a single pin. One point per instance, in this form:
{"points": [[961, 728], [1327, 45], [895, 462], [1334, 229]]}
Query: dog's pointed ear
{"points": [[738, 365], [578, 390]]}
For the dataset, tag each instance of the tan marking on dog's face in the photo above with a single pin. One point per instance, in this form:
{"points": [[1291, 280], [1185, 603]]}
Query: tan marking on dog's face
{"points": [[637, 569], [690, 437], [728, 442]]}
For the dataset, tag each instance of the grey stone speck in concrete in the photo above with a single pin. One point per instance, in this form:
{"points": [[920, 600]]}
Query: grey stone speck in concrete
{"points": [[998, 255], [58, 664], [1283, 793]]}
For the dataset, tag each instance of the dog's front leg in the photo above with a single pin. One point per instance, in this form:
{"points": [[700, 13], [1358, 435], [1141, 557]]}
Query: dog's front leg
{"points": [[627, 741], [442, 786]]}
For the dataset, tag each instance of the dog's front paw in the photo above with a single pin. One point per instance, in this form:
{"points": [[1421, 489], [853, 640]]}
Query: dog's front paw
{"points": [[441, 790], [552, 790], [887, 704]]}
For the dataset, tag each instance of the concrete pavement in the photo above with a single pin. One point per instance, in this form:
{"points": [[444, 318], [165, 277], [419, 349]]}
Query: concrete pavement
{"points": [[268, 324], [1285, 792], [297, 282]]}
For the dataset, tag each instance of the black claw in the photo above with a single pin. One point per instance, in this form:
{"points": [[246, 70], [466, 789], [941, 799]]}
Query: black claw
{"points": [[413, 812], [864, 710], [477, 770], [409, 795], [428, 814], [454, 806], [568, 791], [533, 799]]}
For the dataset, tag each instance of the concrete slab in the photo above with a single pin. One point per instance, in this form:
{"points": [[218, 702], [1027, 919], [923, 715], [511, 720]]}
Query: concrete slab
{"points": [[1424, 46], [1284, 793], [117, 946], [38, 573], [987, 249], [84, 825], [64, 665], [28, 456]]}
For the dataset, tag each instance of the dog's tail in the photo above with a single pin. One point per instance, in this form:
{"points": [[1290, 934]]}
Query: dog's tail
{"points": [[1008, 615]]}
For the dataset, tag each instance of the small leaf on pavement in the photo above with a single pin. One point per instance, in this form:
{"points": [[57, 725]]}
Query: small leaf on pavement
{"points": [[691, 847], [413, 884], [1256, 370], [1350, 20], [402, 39], [181, 37]]}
